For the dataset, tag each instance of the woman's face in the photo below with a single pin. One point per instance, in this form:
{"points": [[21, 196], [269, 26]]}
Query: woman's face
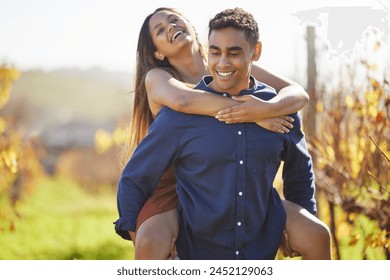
{"points": [[170, 32]]}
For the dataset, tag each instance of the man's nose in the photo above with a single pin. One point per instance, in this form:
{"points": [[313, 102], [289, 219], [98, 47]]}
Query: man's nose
{"points": [[224, 61]]}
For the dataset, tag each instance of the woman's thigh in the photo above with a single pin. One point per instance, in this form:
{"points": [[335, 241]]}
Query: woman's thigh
{"points": [[307, 234], [155, 236]]}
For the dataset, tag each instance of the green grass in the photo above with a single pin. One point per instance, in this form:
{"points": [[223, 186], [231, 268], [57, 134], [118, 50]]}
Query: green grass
{"points": [[60, 221]]}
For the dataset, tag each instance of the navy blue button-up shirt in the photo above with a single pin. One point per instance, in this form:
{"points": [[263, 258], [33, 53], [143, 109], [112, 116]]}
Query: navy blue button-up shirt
{"points": [[228, 207]]}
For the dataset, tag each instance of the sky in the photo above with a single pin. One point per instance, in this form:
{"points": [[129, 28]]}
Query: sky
{"points": [[51, 34]]}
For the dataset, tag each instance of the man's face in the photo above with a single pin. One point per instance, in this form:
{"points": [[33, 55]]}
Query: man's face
{"points": [[230, 59]]}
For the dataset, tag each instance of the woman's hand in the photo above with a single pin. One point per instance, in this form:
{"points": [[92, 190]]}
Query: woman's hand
{"points": [[251, 109], [173, 254], [132, 236], [281, 124], [285, 248]]}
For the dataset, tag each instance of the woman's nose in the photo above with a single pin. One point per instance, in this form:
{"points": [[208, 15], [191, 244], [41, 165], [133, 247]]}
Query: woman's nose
{"points": [[171, 26]]}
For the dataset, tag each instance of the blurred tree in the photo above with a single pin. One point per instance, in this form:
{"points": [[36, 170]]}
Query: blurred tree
{"points": [[19, 164], [352, 147]]}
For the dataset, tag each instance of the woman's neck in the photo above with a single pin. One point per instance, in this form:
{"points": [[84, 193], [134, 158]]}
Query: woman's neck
{"points": [[190, 66]]}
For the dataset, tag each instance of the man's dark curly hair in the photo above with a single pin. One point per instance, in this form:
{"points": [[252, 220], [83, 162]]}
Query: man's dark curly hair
{"points": [[238, 19]]}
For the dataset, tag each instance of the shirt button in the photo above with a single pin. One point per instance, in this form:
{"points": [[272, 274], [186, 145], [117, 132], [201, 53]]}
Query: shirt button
{"points": [[240, 193], [237, 252], [239, 224], [239, 132], [241, 162]]}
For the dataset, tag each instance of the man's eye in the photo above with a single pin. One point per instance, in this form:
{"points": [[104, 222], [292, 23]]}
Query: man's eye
{"points": [[175, 20], [234, 54], [159, 31]]}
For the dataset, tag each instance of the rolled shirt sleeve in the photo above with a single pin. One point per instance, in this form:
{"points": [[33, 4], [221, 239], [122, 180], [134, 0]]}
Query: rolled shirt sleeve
{"points": [[298, 175], [143, 172]]}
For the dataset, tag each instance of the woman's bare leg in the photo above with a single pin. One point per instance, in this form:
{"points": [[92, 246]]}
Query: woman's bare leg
{"points": [[307, 235], [156, 235]]}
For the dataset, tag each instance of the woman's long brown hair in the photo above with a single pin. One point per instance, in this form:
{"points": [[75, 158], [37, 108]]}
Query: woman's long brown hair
{"points": [[142, 116]]}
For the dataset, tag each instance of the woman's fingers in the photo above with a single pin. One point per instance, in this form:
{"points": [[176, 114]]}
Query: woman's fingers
{"points": [[281, 128], [286, 121], [251, 109], [232, 117], [278, 124]]}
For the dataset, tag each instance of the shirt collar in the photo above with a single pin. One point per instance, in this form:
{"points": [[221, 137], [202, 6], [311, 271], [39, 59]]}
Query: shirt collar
{"points": [[206, 80]]}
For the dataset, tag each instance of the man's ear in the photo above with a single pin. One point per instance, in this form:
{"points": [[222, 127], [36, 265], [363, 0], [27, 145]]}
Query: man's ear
{"points": [[257, 52], [158, 55]]}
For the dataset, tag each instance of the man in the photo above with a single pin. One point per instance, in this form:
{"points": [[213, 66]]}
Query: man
{"points": [[228, 207]]}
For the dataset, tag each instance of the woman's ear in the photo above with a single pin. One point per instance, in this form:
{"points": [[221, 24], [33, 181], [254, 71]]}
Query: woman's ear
{"points": [[158, 55], [257, 51]]}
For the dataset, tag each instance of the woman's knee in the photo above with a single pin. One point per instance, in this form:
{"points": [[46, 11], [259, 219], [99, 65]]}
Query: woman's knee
{"points": [[155, 235], [321, 233], [147, 239], [306, 233]]}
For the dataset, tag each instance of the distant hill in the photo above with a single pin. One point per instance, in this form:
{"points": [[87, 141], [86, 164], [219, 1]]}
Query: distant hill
{"points": [[69, 95], [62, 110]]}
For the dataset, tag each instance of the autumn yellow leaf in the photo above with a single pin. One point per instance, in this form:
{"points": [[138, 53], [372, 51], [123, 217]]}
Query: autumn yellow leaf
{"points": [[349, 102], [320, 107], [103, 141], [380, 118], [120, 136], [3, 125], [371, 97], [372, 66], [372, 111], [375, 84]]}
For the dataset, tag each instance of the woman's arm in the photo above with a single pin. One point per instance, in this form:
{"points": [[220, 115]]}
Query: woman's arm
{"points": [[291, 98], [165, 90]]}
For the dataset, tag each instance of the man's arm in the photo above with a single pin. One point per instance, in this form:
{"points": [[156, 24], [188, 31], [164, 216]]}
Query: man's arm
{"points": [[298, 175], [142, 173]]}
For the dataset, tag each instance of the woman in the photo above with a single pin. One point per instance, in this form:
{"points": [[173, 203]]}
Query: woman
{"points": [[169, 59]]}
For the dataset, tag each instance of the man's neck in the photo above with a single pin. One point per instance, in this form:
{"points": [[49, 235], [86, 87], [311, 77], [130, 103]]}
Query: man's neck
{"points": [[251, 84]]}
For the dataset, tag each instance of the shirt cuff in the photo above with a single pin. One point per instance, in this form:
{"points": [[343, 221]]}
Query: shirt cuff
{"points": [[122, 228]]}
